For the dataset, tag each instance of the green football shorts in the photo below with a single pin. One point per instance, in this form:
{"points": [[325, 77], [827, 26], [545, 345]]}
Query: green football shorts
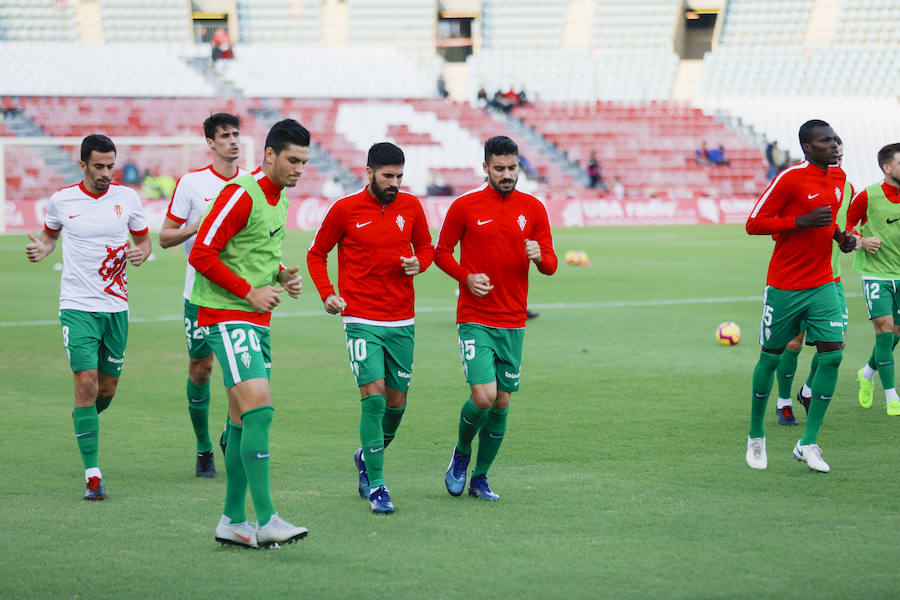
{"points": [[380, 352], [196, 334], [95, 340], [784, 311], [845, 312], [491, 354], [882, 297], [242, 349]]}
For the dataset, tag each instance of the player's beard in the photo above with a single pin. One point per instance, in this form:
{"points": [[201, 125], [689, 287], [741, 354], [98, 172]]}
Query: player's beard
{"points": [[506, 182], [383, 194]]}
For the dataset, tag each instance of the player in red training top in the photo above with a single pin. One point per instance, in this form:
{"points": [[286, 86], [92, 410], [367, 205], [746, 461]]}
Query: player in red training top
{"points": [[800, 204], [237, 256], [95, 217], [500, 231], [383, 242]]}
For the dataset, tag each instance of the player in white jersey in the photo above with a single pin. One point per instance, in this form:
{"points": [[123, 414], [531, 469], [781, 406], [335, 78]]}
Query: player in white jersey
{"points": [[192, 196], [96, 217]]}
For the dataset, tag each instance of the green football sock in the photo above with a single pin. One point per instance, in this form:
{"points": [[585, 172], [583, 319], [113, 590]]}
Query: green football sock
{"points": [[763, 374], [371, 435], [236, 477], [198, 407], [822, 391], [87, 434], [391, 422], [872, 363], [489, 439], [813, 367], [471, 419], [884, 358], [787, 368], [255, 456]]}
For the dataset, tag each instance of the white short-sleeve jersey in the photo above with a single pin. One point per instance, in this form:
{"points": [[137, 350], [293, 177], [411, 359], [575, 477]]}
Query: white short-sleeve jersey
{"points": [[191, 198], [94, 240]]}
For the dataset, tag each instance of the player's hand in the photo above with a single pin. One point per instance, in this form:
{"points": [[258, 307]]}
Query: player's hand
{"points": [[479, 284], [36, 251], [819, 217], [264, 299], [846, 241], [134, 254], [533, 250], [334, 304], [292, 281], [193, 228], [871, 244], [411, 265]]}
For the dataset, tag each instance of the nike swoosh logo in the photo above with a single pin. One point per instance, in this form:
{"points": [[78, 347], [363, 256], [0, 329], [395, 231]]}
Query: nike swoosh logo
{"points": [[73, 216], [480, 222], [880, 363], [811, 196], [374, 450], [237, 535], [260, 455], [495, 436], [758, 395], [889, 221], [196, 400], [358, 224], [827, 397], [272, 233], [78, 435], [468, 421]]}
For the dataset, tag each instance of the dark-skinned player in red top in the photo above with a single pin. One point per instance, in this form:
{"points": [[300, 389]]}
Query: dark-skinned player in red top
{"points": [[383, 242], [800, 205], [501, 231]]}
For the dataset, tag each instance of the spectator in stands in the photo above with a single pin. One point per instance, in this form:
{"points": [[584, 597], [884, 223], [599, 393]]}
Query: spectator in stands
{"points": [[442, 87], [595, 174], [526, 166], [332, 188], [437, 186], [777, 159], [701, 155], [500, 102], [717, 157], [482, 98], [130, 173], [221, 45]]}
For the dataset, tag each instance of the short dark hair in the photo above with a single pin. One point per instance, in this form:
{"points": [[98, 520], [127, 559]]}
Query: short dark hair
{"points": [[97, 142], [886, 154], [806, 130], [499, 145], [219, 120], [287, 132], [384, 153]]}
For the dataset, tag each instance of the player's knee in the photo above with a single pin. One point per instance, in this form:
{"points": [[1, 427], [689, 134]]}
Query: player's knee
{"points": [[483, 398], [831, 358], [372, 388], [200, 370], [795, 344]]}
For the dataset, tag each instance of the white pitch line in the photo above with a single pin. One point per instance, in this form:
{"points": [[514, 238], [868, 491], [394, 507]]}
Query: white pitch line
{"points": [[452, 308]]}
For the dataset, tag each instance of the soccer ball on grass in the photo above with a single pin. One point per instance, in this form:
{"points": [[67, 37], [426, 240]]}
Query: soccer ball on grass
{"points": [[728, 333]]}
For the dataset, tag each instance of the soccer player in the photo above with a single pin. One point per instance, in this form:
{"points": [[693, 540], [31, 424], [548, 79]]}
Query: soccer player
{"points": [[800, 205], [383, 242], [237, 255], [193, 194], [96, 217], [878, 208], [501, 231], [787, 365]]}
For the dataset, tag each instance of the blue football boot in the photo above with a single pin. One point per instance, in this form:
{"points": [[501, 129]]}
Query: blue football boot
{"points": [[380, 501], [480, 489], [363, 475], [455, 479]]}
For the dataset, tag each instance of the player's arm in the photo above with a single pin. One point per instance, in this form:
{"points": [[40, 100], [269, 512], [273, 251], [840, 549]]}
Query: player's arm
{"points": [[139, 252], [290, 279], [174, 233], [766, 219], [540, 249], [422, 247], [324, 240], [451, 232], [41, 246], [856, 215]]}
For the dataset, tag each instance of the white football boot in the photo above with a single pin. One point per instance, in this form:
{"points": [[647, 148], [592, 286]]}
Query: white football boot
{"points": [[756, 453]]}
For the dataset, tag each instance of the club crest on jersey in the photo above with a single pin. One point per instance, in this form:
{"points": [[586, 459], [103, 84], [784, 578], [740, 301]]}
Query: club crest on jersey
{"points": [[113, 270], [245, 358], [521, 221], [400, 222], [837, 193], [118, 210]]}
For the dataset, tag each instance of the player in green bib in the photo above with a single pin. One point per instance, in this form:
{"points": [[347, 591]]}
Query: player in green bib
{"points": [[878, 209], [787, 365], [237, 255]]}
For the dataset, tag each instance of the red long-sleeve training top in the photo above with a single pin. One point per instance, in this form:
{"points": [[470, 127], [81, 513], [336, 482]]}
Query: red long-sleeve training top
{"points": [[371, 237], [491, 230], [802, 257]]}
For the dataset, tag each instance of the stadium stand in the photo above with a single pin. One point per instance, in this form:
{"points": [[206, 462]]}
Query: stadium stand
{"points": [[146, 21], [280, 21], [407, 25], [37, 20]]}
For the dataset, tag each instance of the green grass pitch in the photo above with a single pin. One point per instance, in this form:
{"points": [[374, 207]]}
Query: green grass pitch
{"points": [[622, 474]]}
